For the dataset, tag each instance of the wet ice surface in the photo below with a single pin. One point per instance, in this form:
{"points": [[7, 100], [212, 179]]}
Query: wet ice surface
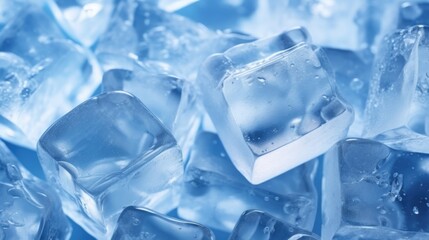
{"points": [[108, 153], [139, 223], [395, 201], [29, 208]]}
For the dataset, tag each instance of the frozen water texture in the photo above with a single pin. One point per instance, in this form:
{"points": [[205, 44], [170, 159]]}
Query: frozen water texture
{"points": [[145, 33], [372, 191], [169, 98], [352, 73], [108, 153], [29, 208], [216, 194], [399, 89], [43, 76], [258, 225], [140, 223], [273, 103], [83, 20]]}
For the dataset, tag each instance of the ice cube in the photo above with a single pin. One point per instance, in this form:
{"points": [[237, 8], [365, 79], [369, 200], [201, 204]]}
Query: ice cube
{"points": [[145, 33], [216, 194], [352, 73], [29, 208], [108, 153], [171, 99], [258, 225], [141, 223], [273, 103], [372, 191], [413, 13], [43, 76], [399, 87], [85, 20]]}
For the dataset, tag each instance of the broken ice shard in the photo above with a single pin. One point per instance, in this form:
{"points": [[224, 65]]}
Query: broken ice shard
{"points": [[214, 193], [43, 76], [140, 223], [146, 33], [273, 103], [169, 98], [375, 192], [29, 208], [108, 153], [399, 89], [257, 225], [352, 72], [85, 20]]}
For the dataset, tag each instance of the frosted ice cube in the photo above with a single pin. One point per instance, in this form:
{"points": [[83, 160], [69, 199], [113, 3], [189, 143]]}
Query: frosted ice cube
{"points": [[216, 194], [273, 103], [108, 153], [43, 76], [29, 208], [372, 191], [257, 225], [140, 223]]}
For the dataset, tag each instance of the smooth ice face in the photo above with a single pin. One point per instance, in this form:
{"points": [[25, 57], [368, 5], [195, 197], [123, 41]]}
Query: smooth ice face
{"points": [[273, 103], [29, 208], [399, 89], [146, 33], [352, 71], [140, 223], [43, 76], [374, 192], [169, 98], [214, 193], [258, 225], [108, 153], [85, 20]]}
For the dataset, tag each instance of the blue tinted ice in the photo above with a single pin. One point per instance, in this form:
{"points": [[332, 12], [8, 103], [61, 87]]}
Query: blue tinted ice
{"points": [[273, 103], [140, 223], [108, 153], [216, 194], [352, 73], [43, 76], [29, 208], [82, 20], [399, 88], [171, 99], [413, 13], [372, 191], [145, 33], [258, 225]]}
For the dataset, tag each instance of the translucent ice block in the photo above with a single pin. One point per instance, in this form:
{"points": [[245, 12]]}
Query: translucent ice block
{"points": [[374, 192], [399, 87], [145, 33], [140, 223], [216, 194], [84, 20], [273, 103], [43, 76], [171, 99], [29, 208], [108, 153], [258, 225]]}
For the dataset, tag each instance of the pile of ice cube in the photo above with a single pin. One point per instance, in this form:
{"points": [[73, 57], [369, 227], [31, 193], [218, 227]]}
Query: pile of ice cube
{"points": [[186, 119]]}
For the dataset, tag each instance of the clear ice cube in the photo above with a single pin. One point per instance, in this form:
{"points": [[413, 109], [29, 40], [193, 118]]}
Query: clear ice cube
{"points": [[214, 193], [140, 223], [399, 88], [43, 76], [258, 225], [169, 98], [29, 208], [374, 192], [273, 103], [108, 153]]}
